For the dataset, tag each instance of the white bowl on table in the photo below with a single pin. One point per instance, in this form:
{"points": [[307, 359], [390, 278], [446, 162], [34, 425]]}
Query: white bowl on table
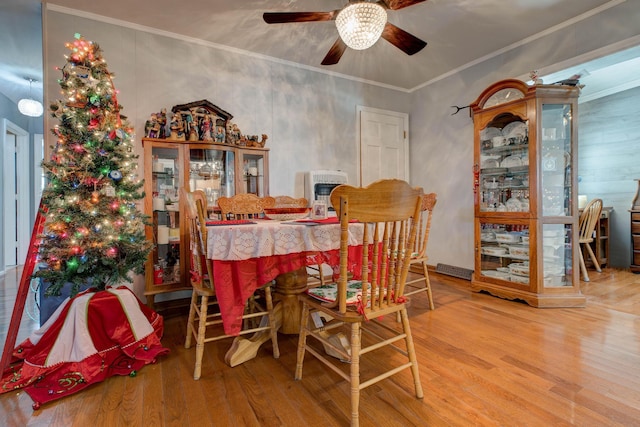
{"points": [[286, 214]]}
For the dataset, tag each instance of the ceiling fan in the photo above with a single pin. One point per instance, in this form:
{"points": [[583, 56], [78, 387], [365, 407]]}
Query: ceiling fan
{"points": [[360, 24]]}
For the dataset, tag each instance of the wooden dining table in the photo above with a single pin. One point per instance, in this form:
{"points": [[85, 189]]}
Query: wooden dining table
{"points": [[248, 254]]}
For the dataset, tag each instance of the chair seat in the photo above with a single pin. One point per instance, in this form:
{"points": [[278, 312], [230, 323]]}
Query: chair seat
{"points": [[353, 313], [329, 292]]}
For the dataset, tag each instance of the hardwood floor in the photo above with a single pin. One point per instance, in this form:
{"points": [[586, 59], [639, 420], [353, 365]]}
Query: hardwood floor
{"points": [[484, 361]]}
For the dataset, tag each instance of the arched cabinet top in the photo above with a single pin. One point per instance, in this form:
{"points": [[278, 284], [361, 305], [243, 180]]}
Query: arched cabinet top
{"points": [[500, 93]]}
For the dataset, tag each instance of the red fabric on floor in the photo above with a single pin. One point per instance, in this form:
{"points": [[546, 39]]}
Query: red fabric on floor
{"points": [[89, 338]]}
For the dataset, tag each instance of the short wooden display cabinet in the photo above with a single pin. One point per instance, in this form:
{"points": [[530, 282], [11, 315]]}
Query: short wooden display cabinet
{"points": [[216, 168], [635, 231], [526, 211]]}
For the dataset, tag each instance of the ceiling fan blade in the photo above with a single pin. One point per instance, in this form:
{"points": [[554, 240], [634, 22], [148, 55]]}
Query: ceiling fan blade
{"points": [[404, 41], [400, 4], [284, 17], [335, 53]]}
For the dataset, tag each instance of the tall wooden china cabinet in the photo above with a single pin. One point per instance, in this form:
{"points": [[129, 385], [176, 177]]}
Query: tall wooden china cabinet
{"points": [[218, 170], [525, 189]]}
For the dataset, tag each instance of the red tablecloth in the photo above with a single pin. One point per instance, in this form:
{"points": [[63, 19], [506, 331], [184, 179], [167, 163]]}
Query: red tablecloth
{"points": [[236, 281]]}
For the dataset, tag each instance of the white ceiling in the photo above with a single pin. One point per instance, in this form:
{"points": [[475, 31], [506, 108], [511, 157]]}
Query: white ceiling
{"points": [[458, 32]]}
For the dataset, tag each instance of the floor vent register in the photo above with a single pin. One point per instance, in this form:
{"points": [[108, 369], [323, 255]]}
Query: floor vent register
{"points": [[452, 270]]}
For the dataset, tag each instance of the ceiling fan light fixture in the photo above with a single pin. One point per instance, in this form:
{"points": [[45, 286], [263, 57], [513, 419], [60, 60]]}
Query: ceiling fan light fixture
{"points": [[360, 25], [30, 107]]}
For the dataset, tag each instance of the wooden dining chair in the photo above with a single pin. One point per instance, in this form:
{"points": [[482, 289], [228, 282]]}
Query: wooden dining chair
{"points": [[244, 206], [587, 226], [205, 323], [384, 209], [419, 252], [202, 197], [290, 202]]}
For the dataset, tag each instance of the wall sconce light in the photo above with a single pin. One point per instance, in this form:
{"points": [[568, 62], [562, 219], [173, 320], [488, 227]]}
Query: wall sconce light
{"points": [[29, 106]]}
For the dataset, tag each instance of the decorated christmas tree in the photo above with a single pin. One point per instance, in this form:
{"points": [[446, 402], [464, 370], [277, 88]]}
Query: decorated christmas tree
{"points": [[94, 233]]}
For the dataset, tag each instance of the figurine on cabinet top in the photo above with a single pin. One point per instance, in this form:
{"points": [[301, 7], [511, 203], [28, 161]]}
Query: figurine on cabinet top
{"points": [[204, 121], [187, 119], [234, 135], [152, 127], [206, 128], [177, 127], [253, 141], [220, 135], [162, 121], [193, 133], [204, 116], [263, 141]]}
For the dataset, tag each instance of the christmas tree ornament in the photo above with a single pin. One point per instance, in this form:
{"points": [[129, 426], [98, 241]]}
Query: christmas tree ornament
{"points": [[115, 175], [108, 190], [83, 72]]}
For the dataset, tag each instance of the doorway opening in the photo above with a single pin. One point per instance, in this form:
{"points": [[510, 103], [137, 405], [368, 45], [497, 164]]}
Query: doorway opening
{"points": [[16, 193], [608, 140]]}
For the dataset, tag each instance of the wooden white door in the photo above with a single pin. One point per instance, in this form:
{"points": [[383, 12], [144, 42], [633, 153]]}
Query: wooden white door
{"points": [[384, 145]]}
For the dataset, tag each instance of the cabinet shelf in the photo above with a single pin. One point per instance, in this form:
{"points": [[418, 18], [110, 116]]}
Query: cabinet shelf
{"points": [[518, 257], [507, 187], [511, 149], [517, 170]]}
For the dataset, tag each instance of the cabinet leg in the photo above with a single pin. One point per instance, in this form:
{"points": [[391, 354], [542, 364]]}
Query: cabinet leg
{"points": [[150, 301]]}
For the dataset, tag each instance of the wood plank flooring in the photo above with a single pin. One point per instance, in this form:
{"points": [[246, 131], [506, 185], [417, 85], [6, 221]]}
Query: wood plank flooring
{"points": [[484, 361]]}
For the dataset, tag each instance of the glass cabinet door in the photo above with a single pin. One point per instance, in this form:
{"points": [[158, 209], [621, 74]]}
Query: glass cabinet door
{"points": [[165, 186], [557, 255], [556, 191], [211, 169], [504, 167], [504, 252], [555, 161], [253, 164]]}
